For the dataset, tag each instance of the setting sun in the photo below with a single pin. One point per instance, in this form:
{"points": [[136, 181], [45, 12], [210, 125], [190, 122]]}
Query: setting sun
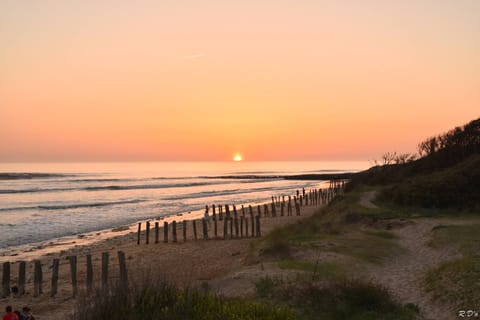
{"points": [[237, 157]]}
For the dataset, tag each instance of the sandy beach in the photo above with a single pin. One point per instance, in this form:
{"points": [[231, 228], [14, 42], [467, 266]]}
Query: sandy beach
{"points": [[189, 263]]}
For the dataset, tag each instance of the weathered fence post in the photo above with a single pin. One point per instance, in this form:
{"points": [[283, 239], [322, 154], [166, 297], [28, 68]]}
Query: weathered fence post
{"points": [[138, 233], [282, 209], [242, 221], [156, 232], [89, 273], [253, 225], [165, 232], [215, 227], [55, 267], [6, 279], [259, 234], [225, 228], [147, 241], [298, 209], [231, 227], [174, 230], [105, 260], [37, 279], [205, 229], [73, 272], [265, 210], [236, 227], [123, 270], [184, 231], [22, 277], [194, 223]]}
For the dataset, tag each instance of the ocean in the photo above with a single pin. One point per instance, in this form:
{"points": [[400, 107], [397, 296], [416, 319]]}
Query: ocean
{"points": [[47, 201]]}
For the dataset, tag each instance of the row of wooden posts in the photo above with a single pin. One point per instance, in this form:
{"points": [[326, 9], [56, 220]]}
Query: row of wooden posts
{"points": [[233, 227], [38, 283]]}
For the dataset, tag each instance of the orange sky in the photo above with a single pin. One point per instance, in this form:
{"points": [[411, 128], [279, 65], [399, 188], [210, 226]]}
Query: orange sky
{"points": [[201, 80]]}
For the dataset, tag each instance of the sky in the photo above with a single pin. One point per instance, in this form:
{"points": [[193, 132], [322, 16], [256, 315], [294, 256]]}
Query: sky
{"points": [[202, 80]]}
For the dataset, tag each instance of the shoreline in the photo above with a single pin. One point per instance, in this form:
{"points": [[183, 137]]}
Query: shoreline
{"points": [[36, 250], [187, 263]]}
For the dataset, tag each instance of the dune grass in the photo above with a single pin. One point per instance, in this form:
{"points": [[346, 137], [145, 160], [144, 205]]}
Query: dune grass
{"points": [[336, 300], [457, 281], [158, 300], [340, 228]]}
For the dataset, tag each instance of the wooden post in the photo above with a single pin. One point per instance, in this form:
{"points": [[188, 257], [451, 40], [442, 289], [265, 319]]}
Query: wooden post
{"points": [[123, 270], [6, 279], [22, 277], [236, 227], [298, 209], [138, 233], [37, 279], [242, 221], [148, 233], [227, 211], [184, 231], [73, 272], [246, 227], [194, 223], [253, 225], [259, 234], [55, 267], [215, 227], [265, 210], [105, 260], [156, 232], [243, 210], [225, 228], [282, 209], [205, 229], [89, 273], [274, 210], [231, 227], [174, 230], [165, 232]]}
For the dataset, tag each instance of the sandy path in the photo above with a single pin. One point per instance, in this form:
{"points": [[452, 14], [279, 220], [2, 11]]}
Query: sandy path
{"points": [[185, 263], [402, 275]]}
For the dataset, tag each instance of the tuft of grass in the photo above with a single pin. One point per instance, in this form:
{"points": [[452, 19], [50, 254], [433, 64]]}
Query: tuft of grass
{"points": [[266, 286], [456, 281], [466, 238], [352, 299], [159, 300]]}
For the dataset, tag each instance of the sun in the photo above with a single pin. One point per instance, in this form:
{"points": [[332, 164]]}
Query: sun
{"points": [[237, 157]]}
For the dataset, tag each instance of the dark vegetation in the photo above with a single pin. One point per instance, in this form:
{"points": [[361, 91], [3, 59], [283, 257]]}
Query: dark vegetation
{"points": [[456, 281], [446, 174], [336, 299], [162, 301]]}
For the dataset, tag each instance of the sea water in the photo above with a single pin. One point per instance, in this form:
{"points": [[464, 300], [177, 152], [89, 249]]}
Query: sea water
{"points": [[46, 201]]}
